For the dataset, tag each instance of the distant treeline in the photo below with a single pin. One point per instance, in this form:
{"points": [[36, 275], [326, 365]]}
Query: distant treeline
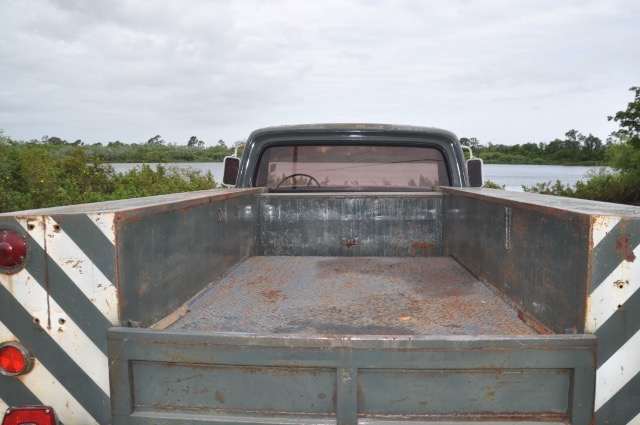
{"points": [[574, 149], [154, 150]]}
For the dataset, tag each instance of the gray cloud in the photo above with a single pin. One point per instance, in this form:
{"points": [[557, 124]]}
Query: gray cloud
{"points": [[506, 72]]}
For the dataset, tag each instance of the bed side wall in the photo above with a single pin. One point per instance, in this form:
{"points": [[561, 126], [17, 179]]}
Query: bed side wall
{"points": [[535, 256], [167, 255]]}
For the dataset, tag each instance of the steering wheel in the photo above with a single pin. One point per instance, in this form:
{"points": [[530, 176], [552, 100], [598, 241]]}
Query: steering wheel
{"points": [[290, 176]]}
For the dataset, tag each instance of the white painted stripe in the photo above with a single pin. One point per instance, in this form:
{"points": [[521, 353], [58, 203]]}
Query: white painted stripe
{"points": [[106, 223], [82, 271], [614, 291], [51, 392], [23, 285], [3, 405], [635, 421], [602, 225], [69, 336], [616, 372]]}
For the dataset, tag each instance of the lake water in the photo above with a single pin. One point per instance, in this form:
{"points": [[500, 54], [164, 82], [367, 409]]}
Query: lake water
{"points": [[515, 176], [512, 176]]}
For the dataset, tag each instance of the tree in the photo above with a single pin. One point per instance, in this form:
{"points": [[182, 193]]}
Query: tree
{"points": [[56, 141], [592, 144], [625, 156], [574, 140], [554, 146], [629, 120], [472, 142], [195, 143], [156, 140]]}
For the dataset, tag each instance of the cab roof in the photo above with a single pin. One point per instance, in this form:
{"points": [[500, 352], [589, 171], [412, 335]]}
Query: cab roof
{"points": [[354, 128]]}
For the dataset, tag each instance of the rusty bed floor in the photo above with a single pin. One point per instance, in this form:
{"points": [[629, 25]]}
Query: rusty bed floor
{"points": [[351, 295]]}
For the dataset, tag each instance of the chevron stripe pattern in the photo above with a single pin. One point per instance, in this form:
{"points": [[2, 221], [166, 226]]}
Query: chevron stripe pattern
{"points": [[60, 306], [613, 315]]}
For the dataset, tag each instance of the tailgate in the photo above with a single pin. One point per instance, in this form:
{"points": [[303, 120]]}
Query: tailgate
{"points": [[191, 377]]}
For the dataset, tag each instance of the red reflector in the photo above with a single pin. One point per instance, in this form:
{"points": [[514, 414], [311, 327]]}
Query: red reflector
{"points": [[11, 359], [36, 415], [13, 249], [15, 359]]}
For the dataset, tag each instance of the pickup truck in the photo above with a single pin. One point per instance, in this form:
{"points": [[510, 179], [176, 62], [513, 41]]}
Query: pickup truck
{"points": [[351, 276]]}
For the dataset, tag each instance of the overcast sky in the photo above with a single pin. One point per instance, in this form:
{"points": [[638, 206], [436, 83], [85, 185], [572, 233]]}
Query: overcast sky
{"points": [[502, 71]]}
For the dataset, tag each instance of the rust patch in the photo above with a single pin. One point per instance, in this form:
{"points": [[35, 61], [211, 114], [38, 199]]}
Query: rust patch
{"points": [[533, 323], [624, 248], [352, 296], [219, 397], [424, 247], [227, 261], [143, 288], [273, 295]]}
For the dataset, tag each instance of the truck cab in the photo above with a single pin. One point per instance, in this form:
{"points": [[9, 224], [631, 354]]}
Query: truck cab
{"points": [[342, 158]]}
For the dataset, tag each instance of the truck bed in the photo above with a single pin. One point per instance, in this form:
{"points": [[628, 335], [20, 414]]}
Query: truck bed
{"points": [[351, 296]]}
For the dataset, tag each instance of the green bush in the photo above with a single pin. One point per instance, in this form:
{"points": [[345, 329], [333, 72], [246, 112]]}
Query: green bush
{"points": [[147, 182], [491, 185], [623, 188], [34, 176]]}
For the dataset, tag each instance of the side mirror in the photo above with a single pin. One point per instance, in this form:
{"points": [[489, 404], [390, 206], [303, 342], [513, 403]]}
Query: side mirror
{"points": [[474, 170], [231, 167]]}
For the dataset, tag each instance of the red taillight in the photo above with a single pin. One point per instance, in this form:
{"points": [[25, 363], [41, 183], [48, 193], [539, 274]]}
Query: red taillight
{"points": [[15, 359], [30, 415], [13, 250], [11, 360]]}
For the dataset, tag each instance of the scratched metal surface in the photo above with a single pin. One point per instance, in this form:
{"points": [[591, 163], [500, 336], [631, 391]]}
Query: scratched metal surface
{"points": [[164, 259], [535, 256], [351, 224], [361, 296]]}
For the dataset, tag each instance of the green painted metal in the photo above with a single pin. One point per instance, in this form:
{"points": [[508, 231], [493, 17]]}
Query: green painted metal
{"points": [[352, 134], [568, 263], [169, 253], [374, 224], [534, 255], [185, 377], [351, 296], [189, 376]]}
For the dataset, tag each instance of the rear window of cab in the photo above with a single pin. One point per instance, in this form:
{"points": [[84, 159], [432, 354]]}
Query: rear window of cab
{"points": [[354, 168]]}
